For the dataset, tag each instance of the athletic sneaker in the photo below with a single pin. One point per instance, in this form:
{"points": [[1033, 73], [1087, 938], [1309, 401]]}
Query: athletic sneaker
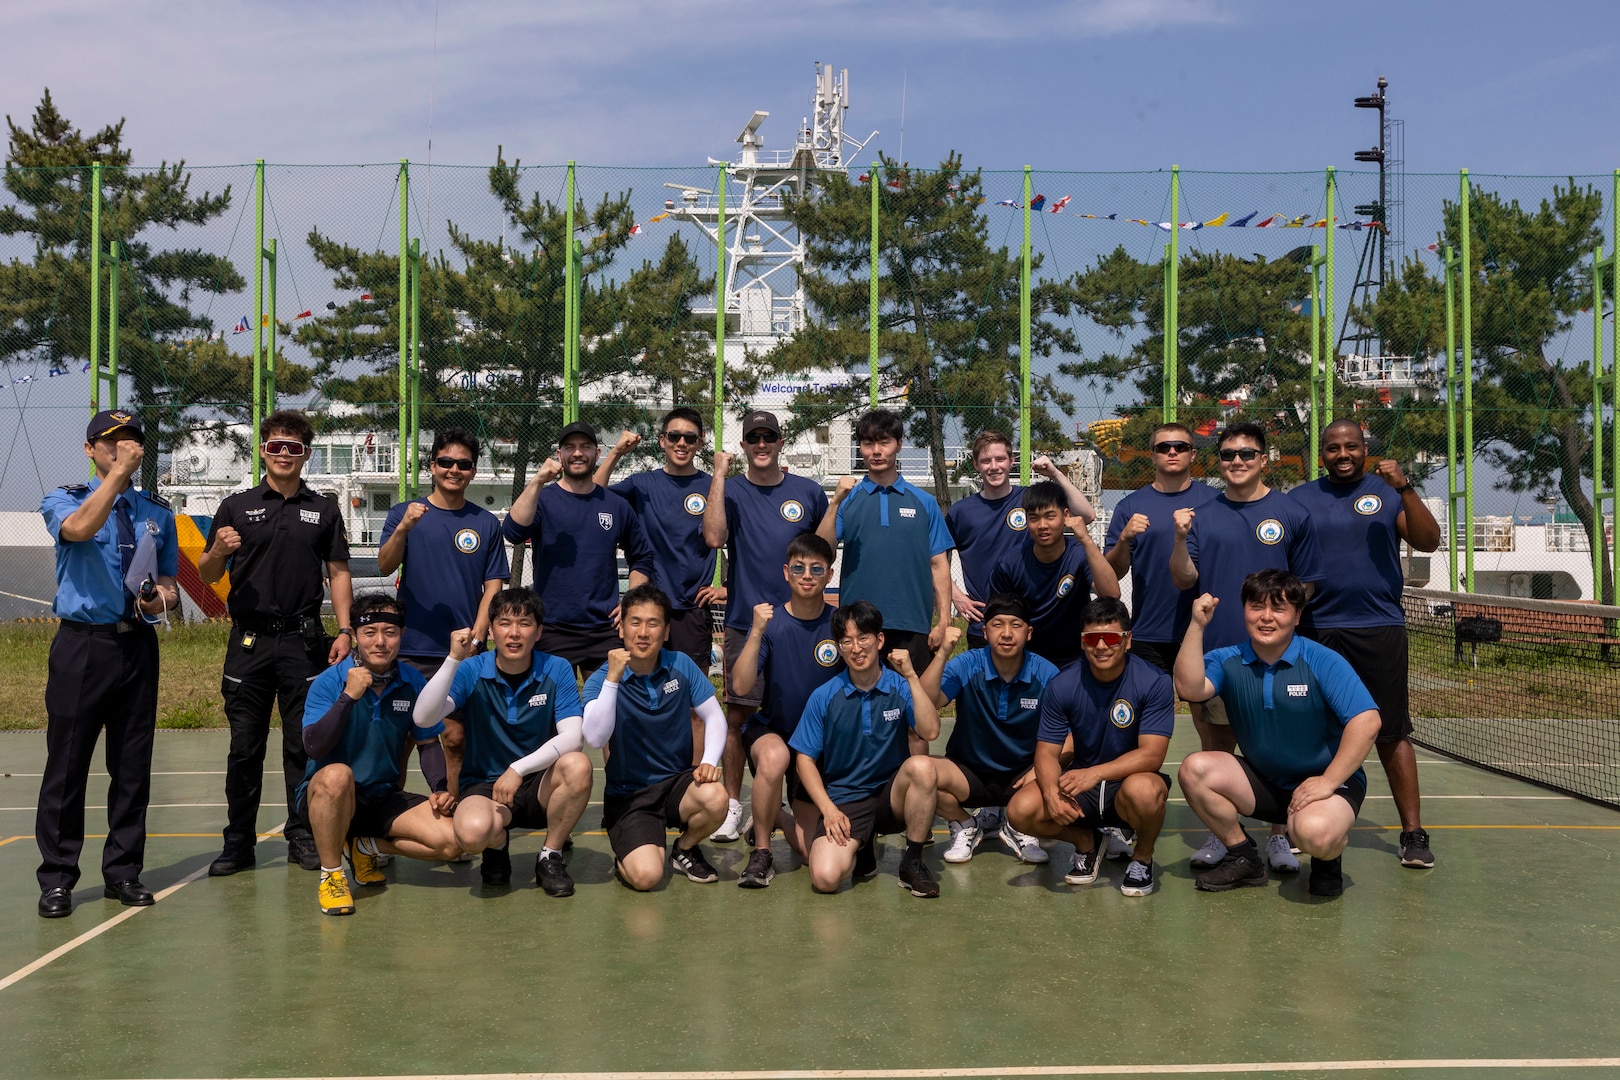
{"points": [[1138, 880], [496, 866], [552, 874], [1118, 847], [1026, 847], [301, 850], [988, 819], [1415, 850], [1280, 855], [1085, 868], [866, 859], [915, 876], [382, 859], [964, 838], [759, 871], [1327, 877], [334, 895], [1210, 854], [1233, 871], [731, 828], [364, 866], [692, 863]]}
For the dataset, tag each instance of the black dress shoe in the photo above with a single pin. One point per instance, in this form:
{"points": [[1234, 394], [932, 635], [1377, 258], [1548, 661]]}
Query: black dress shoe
{"points": [[130, 893], [55, 903], [229, 862]]}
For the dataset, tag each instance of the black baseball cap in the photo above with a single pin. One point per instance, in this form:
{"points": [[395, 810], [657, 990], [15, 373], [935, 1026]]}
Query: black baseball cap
{"points": [[578, 427], [760, 419], [107, 421]]}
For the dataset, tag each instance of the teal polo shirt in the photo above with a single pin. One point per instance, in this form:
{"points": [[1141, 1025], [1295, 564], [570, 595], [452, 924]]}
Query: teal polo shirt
{"points": [[857, 738], [996, 720], [889, 534], [505, 723]]}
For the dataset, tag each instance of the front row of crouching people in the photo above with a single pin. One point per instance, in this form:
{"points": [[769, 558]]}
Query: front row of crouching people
{"points": [[839, 747]]}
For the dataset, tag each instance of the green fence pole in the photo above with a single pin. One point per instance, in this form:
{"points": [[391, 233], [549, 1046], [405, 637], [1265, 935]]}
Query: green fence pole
{"points": [[1614, 383], [1602, 490], [116, 253], [570, 395], [269, 256], [407, 450], [258, 315], [1171, 390], [1468, 383], [1314, 450], [1331, 368], [416, 347], [95, 294], [1026, 451], [719, 293], [1453, 399], [872, 293]]}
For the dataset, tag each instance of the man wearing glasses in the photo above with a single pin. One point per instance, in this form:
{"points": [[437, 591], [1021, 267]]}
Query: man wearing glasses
{"points": [[754, 517], [278, 541], [670, 502], [454, 563], [578, 528], [1248, 528]]}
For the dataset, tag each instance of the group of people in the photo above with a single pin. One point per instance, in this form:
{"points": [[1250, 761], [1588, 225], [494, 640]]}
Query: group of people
{"points": [[1064, 697]]}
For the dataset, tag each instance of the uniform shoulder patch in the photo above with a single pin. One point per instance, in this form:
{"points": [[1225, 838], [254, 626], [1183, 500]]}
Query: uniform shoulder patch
{"points": [[74, 489], [160, 500]]}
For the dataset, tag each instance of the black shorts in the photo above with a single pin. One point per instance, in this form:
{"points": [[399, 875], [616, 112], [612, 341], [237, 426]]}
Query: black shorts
{"points": [[868, 818], [914, 642], [585, 648], [1098, 805], [735, 640], [1377, 654], [985, 788], [643, 817], [692, 632], [1161, 654], [372, 816], [754, 731], [527, 810], [1271, 800]]}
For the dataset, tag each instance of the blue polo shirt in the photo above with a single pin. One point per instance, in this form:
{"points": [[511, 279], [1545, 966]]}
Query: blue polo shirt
{"points": [[379, 731], [986, 532], [1289, 716], [1107, 719], [670, 509], [1359, 521], [652, 725], [994, 734], [1229, 541], [1055, 591], [576, 543], [795, 657], [449, 554], [90, 573], [856, 738], [1160, 612], [889, 534], [761, 522], [505, 723]]}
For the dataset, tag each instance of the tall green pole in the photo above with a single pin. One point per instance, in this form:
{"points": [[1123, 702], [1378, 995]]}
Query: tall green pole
{"points": [[1331, 368], [95, 295], [1171, 391], [1453, 400], [407, 444], [872, 293], [416, 344], [269, 256], [1603, 491], [719, 299], [1314, 451], [1468, 384], [570, 273], [258, 314], [1026, 452], [116, 250], [1614, 384]]}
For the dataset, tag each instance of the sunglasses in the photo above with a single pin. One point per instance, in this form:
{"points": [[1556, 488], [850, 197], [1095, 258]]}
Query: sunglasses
{"points": [[1247, 453], [761, 438], [800, 569], [689, 438], [288, 447], [1177, 447], [1101, 639], [447, 463]]}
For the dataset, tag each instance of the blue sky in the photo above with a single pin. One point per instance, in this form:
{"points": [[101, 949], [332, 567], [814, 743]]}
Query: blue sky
{"points": [[1096, 85]]}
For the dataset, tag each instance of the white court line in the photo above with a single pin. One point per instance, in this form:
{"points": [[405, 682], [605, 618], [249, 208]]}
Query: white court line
{"points": [[1370, 1065]]}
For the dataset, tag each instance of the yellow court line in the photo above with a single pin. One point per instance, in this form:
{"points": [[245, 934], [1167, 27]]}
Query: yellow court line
{"points": [[9, 839]]}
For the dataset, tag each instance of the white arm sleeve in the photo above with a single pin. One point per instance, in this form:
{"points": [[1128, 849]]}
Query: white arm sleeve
{"points": [[564, 742], [433, 703], [600, 714], [714, 730]]}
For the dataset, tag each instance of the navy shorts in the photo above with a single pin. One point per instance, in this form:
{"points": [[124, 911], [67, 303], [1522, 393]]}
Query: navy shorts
{"points": [[644, 817], [1271, 800], [527, 810]]}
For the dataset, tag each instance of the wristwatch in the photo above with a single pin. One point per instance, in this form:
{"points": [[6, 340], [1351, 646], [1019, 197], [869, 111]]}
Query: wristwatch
{"points": [[350, 630], [1404, 488]]}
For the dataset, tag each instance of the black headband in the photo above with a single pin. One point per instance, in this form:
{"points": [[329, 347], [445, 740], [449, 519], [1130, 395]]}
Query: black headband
{"points": [[391, 618]]}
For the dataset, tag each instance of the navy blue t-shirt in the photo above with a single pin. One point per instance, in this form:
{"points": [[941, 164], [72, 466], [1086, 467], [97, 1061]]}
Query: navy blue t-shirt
{"points": [[670, 509], [1229, 541], [986, 532], [1107, 718], [890, 534], [449, 554], [1160, 612], [1288, 717], [506, 722], [795, 657], [856, 738], [761, 522], [652, 725], [1055, 591], [576, 543], [379, 731], [1358, 520], [994, 734]]}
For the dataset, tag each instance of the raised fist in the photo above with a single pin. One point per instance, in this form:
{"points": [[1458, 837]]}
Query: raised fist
{"points": [[227, 539], [1203, 609], [1391, 472], [628, 441], [1044, 467], [722, 462], [462, 643], [127, 457], [762, 616], [953, 634], [357, 682], [1184, 521], [618, 660], [1134, 527], [900, 660], [846, 484], [548, 471], [413, 514]]}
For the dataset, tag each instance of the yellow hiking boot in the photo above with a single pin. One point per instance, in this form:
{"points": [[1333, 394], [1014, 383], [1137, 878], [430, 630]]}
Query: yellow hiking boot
{"points": [[363, 865], [333, 893]]}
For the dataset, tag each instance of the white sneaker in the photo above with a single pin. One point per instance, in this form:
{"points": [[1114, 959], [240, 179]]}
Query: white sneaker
{"points": [[1280, 856], [1210, 854], [731, 828], [1026, 847], [1118, 847], [988, 819], [964, 838], [380, 860]]}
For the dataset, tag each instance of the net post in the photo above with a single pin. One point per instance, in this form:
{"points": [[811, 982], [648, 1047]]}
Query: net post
{"points": [[1170, 390], [416, 346], [115, 252], [1026, 452], [1331, 367], [570, 272], [95, 294], [258, 315], [1319, 357], [1467, 335], [719, 294], [872, 294], [1453, 395], [407, 451], [269, 256], [1603, 490]]}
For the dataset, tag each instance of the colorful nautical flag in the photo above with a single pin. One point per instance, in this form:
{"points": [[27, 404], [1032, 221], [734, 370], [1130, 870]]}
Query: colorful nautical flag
{"points": [[242, 326]]}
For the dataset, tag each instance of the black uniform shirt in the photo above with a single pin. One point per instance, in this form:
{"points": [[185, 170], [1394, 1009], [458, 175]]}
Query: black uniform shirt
{"points": [[286, 544]]}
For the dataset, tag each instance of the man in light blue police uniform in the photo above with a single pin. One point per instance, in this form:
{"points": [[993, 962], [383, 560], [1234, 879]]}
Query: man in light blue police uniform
{"points": [[116, 560]]}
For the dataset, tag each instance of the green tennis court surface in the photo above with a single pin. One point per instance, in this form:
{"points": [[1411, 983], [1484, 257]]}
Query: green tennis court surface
{"points": [[1501, 960]]}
